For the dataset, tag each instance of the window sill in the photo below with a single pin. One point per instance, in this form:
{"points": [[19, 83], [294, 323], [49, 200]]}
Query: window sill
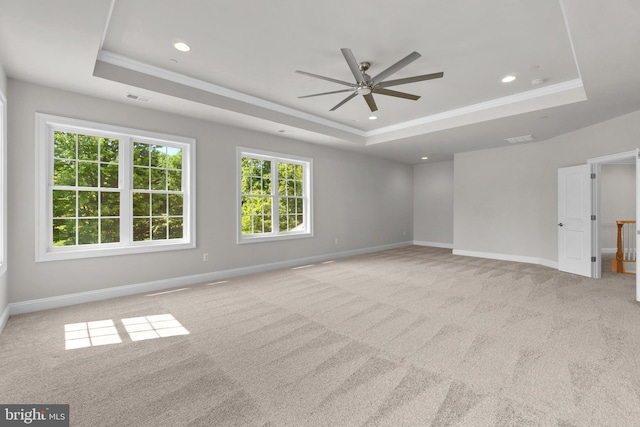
{"points": [[273, 238], [89, 252]]}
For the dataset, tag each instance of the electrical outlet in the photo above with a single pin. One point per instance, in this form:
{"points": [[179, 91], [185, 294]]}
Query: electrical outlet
{"points": [[205, 257]]}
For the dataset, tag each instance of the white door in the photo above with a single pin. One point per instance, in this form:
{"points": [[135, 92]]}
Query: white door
{"points": [[574, 220]]}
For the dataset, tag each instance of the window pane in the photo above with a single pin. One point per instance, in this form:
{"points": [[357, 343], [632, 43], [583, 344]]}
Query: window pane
{"points": [[282, 170], [64, 145], [174, 158], [174, 180], [283, 222], [64, 232], [87, 174], [257, 224], [267, 205], [109, 150], [159, 228], [291, 206], [257, 204], [300, 220], [298, 173], [140, 154], [158, 155], [175, 204], [141, 178], [109, 175], [158, 179], [110, 230], [109, 204], [175, 228], [299, 188], [141, 229], [246, 224], [267, 224], [88, 204], [87, 147], [87, 231], [256, 185], [291, 190], [158, 204], [141, 204], [64, 172], [299, 206], [292, 222], [64, 204]]}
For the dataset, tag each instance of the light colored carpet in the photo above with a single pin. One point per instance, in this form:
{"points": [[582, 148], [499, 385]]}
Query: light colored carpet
{"points": [[412, 336]]}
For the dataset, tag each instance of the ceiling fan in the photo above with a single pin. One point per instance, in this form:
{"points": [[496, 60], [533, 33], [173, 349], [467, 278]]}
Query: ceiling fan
{"points": [[366, 85]]}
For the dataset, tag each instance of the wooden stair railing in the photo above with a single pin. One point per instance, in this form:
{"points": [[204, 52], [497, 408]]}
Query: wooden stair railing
{"points": [[625, 253]]}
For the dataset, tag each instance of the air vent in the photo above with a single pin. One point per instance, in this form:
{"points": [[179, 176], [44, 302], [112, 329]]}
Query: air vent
{"points": [[138, 97], [524, 138]]}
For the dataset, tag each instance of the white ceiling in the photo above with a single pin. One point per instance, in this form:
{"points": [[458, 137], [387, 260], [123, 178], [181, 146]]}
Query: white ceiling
{"points": [[240, 70]]}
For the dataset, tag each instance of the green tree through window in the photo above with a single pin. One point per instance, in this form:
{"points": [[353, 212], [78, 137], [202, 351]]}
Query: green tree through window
{"points": [[85, 194], [273, 196]]}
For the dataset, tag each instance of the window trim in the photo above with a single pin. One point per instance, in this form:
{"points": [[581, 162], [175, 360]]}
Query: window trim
{"points": [[44, 251], [308, 195]]}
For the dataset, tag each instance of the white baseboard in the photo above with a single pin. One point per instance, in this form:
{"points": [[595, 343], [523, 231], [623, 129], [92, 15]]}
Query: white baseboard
{"points": [[4, 318], [433, 244], [505, 257], [147, 287]]}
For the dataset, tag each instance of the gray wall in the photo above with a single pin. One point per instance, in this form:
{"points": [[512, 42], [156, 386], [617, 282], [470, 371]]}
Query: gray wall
{"points": [[617, 200], [506, 198], [433, 203], [362, 201]]}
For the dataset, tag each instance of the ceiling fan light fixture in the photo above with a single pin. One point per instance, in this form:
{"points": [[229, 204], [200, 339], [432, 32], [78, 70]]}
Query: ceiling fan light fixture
{"points": [[373, 117], [364, 90], [508, 79]]}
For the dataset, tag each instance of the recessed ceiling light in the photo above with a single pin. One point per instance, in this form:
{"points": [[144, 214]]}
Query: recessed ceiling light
{"points": [[424, 157], [508, 79], [182, 47], [373, 117]]}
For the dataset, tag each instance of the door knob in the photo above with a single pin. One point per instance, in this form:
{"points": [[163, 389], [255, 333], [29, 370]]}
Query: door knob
{"points": [[560, 225]]}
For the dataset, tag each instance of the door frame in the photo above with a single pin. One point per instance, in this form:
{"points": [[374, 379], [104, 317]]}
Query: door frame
{"points": [[627, 157]]}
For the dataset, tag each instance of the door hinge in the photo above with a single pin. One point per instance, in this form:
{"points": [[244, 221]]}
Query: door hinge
{"points": [[593, 217], [593, 176], [593, 259]]}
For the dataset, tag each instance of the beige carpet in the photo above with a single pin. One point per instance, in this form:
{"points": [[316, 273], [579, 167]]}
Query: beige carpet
{"points": [[412, 336]]}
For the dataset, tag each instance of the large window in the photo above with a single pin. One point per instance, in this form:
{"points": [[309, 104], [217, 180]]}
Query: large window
{"points": [[274, 196], [105, 190]]}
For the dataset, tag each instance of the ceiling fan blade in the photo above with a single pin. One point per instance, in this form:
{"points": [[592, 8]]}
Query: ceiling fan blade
{"points": [[371, 102], [353, 64], [411, 79], [326, 78], [396, 67], [395, 93], [344, 101], [325, 93]]}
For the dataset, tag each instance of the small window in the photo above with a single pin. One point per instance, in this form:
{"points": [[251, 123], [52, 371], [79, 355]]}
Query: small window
{"points": [[275, 196], [105, 190]]}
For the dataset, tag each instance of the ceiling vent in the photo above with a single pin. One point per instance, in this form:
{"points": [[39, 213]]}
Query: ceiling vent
{"points": [[138, 97], [524, 138]]}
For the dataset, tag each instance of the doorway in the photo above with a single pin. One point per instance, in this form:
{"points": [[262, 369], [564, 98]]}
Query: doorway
{"points": [[580, 212], [629, 159]]}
